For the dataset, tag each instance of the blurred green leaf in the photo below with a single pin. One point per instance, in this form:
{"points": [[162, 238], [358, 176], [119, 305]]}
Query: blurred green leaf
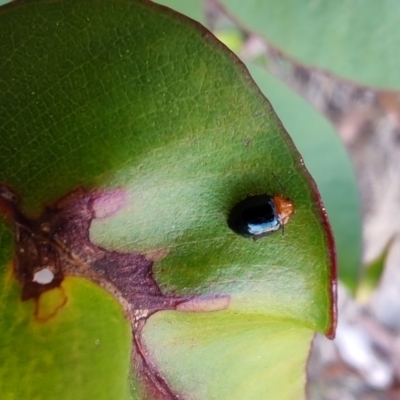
{"points": [[231, 38], [371, 275], [192, 8], [355, 40], [115, 95]]}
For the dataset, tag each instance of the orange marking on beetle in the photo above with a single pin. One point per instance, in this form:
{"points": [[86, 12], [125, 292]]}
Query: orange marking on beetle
{"points": [[284, 208]]}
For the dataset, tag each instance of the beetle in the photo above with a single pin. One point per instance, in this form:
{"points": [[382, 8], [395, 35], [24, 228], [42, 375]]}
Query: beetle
{"points": [[260, 215]]}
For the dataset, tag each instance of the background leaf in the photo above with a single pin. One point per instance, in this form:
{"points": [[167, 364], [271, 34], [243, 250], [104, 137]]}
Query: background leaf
{"points": [[193, 8], [355, 40]]}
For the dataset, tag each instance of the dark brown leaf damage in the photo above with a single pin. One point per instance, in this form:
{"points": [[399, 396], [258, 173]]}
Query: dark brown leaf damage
{"points": [[58, 242]]}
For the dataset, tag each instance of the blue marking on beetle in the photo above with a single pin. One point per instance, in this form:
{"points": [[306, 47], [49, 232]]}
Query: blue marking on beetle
{"points": [[260, 215]]}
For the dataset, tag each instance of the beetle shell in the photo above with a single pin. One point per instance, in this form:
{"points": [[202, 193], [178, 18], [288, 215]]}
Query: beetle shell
{"points": [[260, 215]]}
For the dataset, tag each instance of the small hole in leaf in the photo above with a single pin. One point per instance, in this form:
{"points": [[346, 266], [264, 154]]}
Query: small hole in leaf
{"points": [[43, 276]]}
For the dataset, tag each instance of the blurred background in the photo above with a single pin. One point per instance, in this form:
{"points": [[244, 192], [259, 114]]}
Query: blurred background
{"points": [[331, 72]]}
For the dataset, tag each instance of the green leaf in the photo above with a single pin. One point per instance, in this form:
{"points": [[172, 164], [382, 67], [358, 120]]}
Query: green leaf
{"points": [[372, 275], [128, 134], [355, 40], [325, 157], [48, 358], [263, 355], [327, 160]]}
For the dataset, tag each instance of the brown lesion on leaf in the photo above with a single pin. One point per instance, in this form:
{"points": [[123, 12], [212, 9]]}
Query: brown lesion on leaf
{"points": [[56, 244]]}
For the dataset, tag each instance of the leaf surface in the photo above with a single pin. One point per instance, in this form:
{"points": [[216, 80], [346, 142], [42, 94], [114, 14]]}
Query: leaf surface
{"points": [[128, 134], [329, 164]]}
